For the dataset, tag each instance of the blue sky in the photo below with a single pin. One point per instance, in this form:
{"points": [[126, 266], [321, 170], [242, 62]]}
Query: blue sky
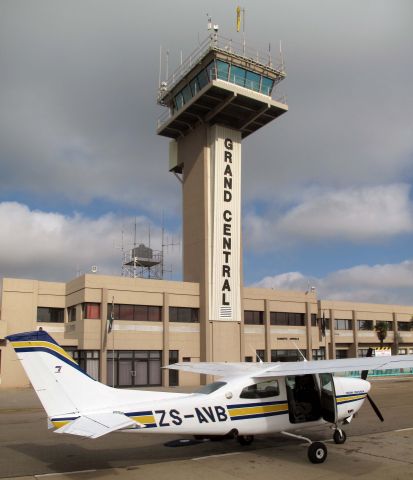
{"points": [[327, 188]]}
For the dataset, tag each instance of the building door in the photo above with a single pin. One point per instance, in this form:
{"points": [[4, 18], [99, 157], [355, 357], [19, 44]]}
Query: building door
{"points": [[134, 368], [140, 366], [126, 370]]}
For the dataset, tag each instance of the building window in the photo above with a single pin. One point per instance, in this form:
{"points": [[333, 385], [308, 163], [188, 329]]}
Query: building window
{"points": [[88, 361], [91, 311], [287, 318], [405, 326], [389, 325], [343, 324], [50, 315], [365, 324], [319, 354], [341, 353], [266, 389], [184, 314], [362, 352], [287, 355], [314, 322], [266, 85], [221, 70], [134, 368], [252, 317], [71, 313], [139, 313], [248, 359], [173, 374]]}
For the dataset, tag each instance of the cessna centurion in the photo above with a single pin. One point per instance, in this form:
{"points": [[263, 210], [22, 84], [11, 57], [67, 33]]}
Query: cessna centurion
{"points": [[249, 399]]}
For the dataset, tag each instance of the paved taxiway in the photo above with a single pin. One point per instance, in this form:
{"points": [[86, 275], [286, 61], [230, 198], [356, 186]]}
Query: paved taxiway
{"points": [[373, 450]]}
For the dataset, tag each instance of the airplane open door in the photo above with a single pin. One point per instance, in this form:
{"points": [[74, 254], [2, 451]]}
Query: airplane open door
{"points": [[328, 398]]}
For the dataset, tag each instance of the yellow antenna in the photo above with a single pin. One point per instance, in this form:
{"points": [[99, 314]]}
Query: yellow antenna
{"points": [[238, 18]]}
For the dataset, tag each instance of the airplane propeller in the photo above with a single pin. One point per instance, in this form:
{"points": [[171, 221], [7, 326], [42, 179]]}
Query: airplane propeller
{"points": [[363, 376]]}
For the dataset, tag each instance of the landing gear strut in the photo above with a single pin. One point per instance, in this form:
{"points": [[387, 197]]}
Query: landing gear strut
{"points": [[317, 451]]}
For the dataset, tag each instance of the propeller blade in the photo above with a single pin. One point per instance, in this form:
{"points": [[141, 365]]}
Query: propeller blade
{"points": [[364, 373], [375, 408]]}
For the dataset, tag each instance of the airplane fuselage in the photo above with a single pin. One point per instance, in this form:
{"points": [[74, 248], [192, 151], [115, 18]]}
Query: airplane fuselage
{"points": [[235, 407]]}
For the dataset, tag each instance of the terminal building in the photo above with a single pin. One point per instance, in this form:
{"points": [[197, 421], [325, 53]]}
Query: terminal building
{"points": [[221, 94]]}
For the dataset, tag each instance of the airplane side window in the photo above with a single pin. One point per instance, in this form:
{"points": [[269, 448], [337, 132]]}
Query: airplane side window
{"points": [[210, 388], [261, 390]]}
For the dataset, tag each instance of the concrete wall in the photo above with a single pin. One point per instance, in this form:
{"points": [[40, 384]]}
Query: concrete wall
{"points": [[20, 299]]}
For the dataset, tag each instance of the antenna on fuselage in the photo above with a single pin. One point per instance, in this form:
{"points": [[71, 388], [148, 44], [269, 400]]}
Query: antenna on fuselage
{"points": [[299, 351], [256, 354]]}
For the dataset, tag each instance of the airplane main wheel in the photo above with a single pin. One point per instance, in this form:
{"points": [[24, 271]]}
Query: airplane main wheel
{"points": [[245, 439], [339, 436], [317, 452]]}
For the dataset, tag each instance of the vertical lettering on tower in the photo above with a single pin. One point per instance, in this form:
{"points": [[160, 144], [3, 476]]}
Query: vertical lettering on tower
{"points": [[225, 295]]}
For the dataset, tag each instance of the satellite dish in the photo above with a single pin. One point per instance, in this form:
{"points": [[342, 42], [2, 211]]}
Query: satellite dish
{"points": [[94, 269]]}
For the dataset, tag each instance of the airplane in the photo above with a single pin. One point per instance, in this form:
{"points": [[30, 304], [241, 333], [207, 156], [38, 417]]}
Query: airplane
{"points": [[248, 399]]}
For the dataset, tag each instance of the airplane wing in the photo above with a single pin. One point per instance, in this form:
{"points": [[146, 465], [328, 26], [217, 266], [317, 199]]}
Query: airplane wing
{"points": [[282, 369], [220, 369], [98, 424]]}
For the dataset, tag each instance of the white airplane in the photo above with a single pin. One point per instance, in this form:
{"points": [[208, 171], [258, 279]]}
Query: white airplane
{"points": [[249, 399]]}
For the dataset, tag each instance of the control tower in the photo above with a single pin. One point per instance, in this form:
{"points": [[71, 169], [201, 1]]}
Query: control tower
{"points": [[219, 95]]}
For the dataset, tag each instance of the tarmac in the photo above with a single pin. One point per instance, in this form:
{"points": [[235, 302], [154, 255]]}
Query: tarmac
{"points": [[373, 450]]}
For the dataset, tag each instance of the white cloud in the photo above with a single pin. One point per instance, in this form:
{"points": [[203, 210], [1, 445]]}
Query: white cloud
{"points": [[365, 214], [387, 283], [52, 246]]}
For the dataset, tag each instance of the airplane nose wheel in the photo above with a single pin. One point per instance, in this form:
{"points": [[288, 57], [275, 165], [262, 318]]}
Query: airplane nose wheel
{"points": [[339, 436], [245, 440], [317, 452]]}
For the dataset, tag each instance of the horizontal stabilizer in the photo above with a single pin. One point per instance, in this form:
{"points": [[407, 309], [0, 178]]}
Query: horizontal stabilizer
{"points": [[98, 424]]}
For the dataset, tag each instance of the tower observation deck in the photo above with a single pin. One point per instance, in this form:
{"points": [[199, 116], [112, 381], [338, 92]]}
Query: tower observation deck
{"points": [[221, 82], [219, 95]]}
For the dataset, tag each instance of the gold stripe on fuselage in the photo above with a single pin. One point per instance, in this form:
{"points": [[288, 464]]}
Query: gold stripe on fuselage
{"points": [[235, 412]]}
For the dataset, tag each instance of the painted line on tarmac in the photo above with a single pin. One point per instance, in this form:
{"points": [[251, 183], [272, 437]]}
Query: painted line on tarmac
{"points": [[404, 429], [63, 473], [216, 456]]}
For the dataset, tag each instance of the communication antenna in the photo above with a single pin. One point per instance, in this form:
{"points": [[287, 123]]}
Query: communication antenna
{"points": [[281, 57], [259, 358], [165, 244], [256, 354], [160, 65], [299, 351]]}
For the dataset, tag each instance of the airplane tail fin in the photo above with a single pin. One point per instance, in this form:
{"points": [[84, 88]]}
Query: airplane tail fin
{"points": [[61, 385]]}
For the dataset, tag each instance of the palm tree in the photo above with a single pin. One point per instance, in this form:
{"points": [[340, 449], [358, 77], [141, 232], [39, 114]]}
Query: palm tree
{"points": [[381, 331]]}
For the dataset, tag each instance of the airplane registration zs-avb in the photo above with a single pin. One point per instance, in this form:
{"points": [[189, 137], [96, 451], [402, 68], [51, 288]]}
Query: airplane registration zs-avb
{"points": [[249, 398]]}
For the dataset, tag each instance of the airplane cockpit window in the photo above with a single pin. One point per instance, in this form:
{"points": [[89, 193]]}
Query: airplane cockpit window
{"points": [[211, 387], [261, 390]]}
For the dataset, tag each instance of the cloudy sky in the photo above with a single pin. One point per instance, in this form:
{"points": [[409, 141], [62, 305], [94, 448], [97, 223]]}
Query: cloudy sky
{"points": [[327, 188]]}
